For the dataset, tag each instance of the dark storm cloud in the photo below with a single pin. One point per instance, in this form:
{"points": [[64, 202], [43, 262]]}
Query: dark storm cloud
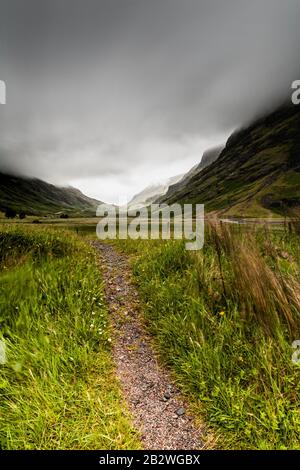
{"points": [[97, 88]]}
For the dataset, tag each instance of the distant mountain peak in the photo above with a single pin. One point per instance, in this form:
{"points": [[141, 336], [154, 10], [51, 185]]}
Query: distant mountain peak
{"points": [[152, 192], [208, 157]]}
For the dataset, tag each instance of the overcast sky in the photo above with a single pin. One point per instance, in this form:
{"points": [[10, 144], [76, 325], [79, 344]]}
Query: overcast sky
{"points": [[112, 95]]}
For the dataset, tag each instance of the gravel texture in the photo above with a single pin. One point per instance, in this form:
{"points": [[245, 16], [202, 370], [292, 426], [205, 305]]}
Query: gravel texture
{"points": [[158, 410]]}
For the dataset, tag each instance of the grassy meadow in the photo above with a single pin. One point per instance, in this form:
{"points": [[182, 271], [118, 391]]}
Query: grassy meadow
{"points": [[57, 384], [224, 319]]}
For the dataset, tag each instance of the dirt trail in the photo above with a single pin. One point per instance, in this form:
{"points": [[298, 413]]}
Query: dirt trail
{"points": [[158, 410]]}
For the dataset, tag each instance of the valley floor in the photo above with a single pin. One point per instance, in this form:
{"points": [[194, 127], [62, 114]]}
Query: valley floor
{"points": [[139, 355]]}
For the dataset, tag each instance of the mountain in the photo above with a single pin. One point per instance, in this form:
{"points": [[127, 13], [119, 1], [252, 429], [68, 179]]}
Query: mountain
{"points": [[36, 197], [208, 157], [257, 174], [151, 193]]}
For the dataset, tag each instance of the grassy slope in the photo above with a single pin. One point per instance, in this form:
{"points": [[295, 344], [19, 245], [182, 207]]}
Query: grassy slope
{"points": [[225, 325], [37, 197], [58, 389], [256, 172]]}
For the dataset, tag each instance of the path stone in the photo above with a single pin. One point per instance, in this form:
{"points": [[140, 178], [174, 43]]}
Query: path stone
{"points": [[144, 382]]}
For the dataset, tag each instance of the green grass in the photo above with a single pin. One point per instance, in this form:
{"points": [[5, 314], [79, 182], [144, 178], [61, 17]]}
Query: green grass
{"points": [[83, 226], [223, 325], [58, 388]]}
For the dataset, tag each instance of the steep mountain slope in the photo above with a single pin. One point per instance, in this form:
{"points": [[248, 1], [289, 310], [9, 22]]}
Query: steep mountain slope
{"points": [[36, 197], [151, 193], [258, 172], [208, 157]]}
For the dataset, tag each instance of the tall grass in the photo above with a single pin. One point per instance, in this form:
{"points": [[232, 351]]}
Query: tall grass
{"points": [[58, 389], [224, 320], [262, 290]]}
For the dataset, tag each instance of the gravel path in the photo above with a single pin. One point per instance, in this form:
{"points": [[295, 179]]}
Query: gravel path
{"points": [[158, 410]]}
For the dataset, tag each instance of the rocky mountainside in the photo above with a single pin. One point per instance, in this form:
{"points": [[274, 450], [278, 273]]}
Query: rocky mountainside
{"points": [[208, 157], [257, 174]]}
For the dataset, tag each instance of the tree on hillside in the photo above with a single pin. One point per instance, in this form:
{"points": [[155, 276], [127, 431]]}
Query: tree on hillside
{"points": [[10, 213], [22, 215]]}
